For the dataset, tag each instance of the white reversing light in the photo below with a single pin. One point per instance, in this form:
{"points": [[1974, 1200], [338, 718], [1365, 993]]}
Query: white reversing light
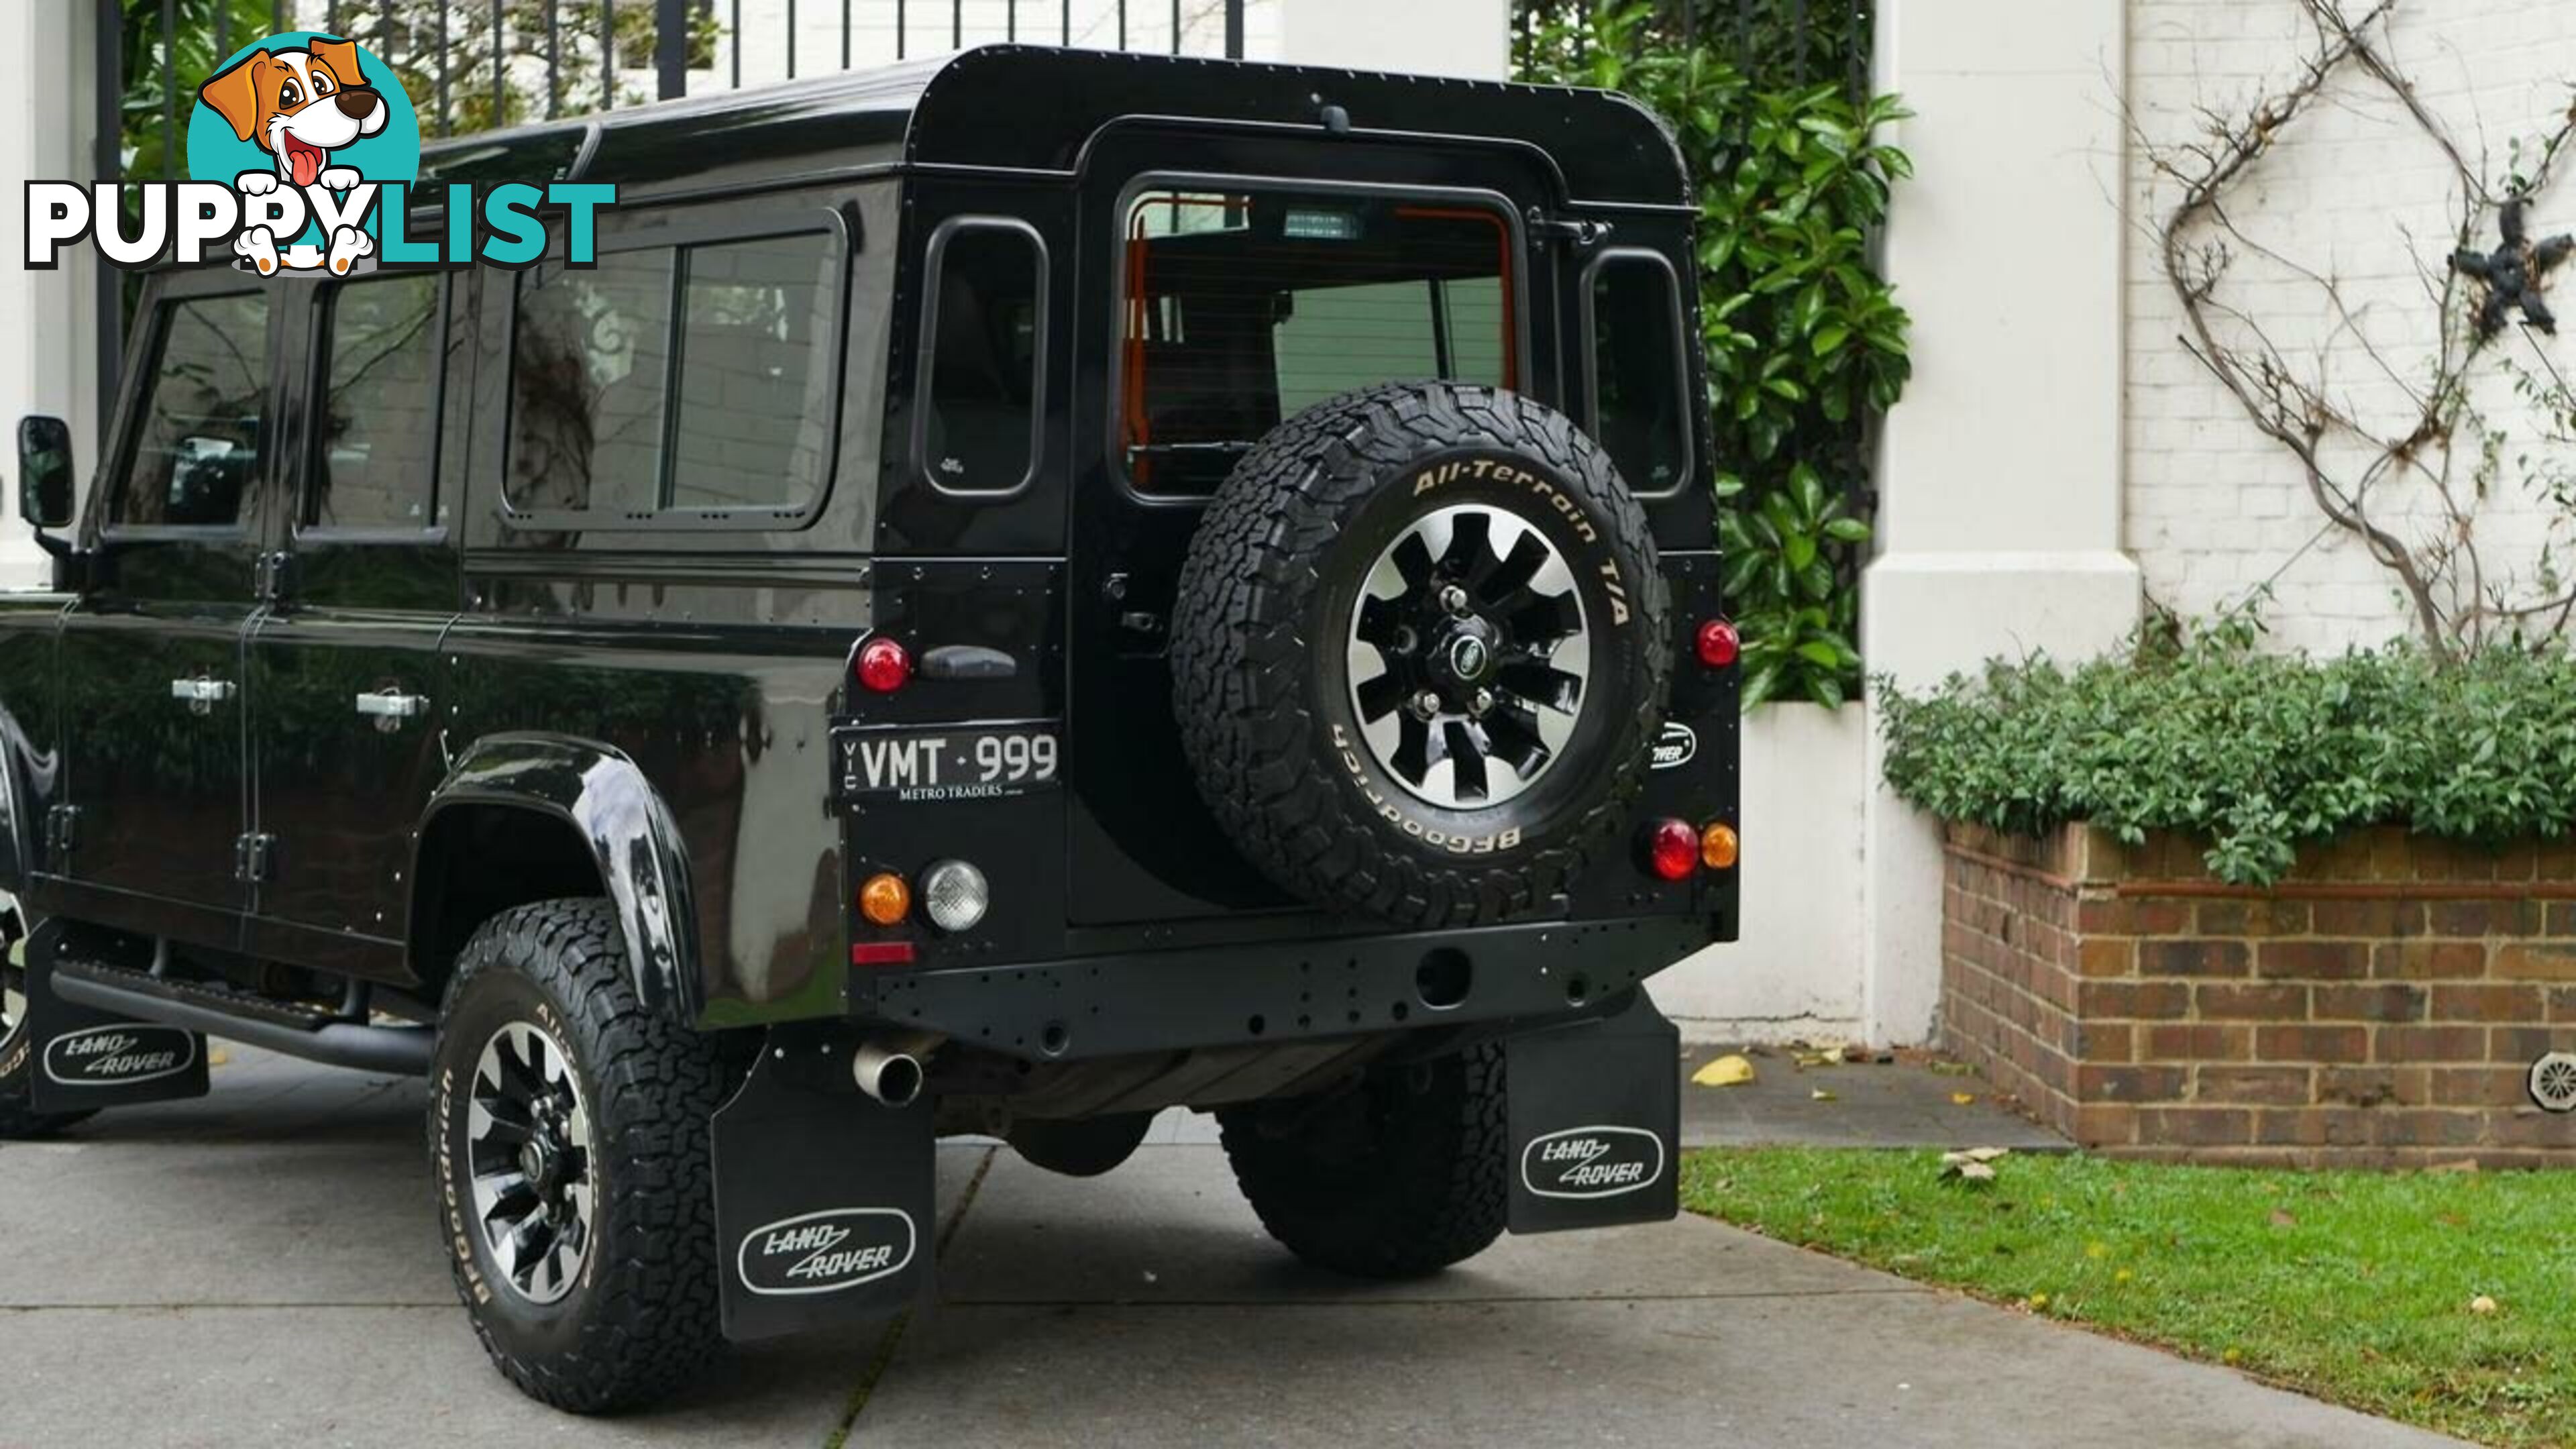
{"points": [[954, 895]]}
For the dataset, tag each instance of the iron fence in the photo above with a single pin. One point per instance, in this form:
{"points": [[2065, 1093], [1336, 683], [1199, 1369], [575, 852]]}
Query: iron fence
{"points": [[473, 65]]}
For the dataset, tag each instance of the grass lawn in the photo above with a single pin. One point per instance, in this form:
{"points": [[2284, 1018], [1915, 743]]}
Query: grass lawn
{"points": [[2351, 1286]]}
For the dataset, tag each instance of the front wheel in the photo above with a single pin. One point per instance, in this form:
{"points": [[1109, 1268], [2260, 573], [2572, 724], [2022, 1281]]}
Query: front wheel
{"points": [[569, 1134], [1404, 1175]]}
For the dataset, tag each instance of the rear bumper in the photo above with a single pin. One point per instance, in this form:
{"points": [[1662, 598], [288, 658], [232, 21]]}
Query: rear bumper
{"points": [[1272, 993]]}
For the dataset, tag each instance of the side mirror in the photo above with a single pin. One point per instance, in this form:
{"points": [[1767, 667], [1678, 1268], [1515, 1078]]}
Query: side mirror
{"points": [[45, 471]]}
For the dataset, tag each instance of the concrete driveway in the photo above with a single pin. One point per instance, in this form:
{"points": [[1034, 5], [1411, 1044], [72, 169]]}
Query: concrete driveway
{"points": [[262, 1266]]}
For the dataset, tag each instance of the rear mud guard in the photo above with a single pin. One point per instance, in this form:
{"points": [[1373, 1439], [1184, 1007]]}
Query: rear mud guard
{"points": [[86, 1059], [825, 1199], [1595, 1121]]}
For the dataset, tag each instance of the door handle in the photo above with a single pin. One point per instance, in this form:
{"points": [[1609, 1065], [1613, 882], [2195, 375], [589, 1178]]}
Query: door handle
{"points": [[201, 695], [390, 707]]}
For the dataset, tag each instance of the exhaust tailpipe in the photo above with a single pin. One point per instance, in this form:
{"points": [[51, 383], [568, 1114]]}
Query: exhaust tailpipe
{"points": [[887, 1076]]}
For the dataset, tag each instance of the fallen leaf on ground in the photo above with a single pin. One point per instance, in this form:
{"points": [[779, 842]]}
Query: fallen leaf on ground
{"points": [[1963, 1099], [1822, 1095], [1726, 1071], [1969, 1166]]}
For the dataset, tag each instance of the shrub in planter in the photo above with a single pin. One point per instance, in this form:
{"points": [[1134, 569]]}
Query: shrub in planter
{"points": [[2254, 752]]}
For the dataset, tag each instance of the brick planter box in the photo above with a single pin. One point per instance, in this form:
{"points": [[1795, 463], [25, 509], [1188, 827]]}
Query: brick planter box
{"points": [[2381, 1005]]}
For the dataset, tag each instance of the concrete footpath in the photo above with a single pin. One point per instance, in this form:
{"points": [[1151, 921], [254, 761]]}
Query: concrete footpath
{"points": [[262, 1266]]}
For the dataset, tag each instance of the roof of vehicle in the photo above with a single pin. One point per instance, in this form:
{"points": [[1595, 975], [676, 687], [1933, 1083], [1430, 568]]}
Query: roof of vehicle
{"points": [[1026, 107]]}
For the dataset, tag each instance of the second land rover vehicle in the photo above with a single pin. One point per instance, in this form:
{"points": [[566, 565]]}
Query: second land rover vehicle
{"points": [[1019, 592]]}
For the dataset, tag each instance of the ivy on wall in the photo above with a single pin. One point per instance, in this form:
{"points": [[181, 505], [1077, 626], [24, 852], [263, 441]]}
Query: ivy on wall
{"points": [[1806, 343]]}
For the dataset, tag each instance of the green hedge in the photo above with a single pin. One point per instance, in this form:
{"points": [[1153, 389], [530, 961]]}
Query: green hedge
{"points": [[1805, 341], [2253, 752]]}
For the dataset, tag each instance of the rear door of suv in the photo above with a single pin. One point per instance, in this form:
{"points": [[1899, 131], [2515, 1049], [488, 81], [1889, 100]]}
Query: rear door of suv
{"points": [[1254, 277], [344, 666]]}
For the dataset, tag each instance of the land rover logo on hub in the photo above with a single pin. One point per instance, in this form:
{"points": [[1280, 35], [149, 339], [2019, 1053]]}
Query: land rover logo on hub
{"points": [[825, 1252], [1675, 746], [1592, 1161], [117, 1056]]}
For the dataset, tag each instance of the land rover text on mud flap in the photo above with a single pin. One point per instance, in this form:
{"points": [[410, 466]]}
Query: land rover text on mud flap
{"points": [[1021, 591]]}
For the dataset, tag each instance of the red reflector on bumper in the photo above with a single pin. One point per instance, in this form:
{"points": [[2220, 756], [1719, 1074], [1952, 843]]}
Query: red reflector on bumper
{"points": [[881, 953]]}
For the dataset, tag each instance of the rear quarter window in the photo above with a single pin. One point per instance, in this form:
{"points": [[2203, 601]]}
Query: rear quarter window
{"points": [[677, 386]]}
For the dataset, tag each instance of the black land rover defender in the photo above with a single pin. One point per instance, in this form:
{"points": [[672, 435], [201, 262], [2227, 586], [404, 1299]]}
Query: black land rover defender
{"points": [[1018, 592]]}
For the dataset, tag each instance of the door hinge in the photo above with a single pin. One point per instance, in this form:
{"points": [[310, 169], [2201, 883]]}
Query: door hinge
{"points": [[251, 851], [1557, 228], [269, 575], [62, 831]]}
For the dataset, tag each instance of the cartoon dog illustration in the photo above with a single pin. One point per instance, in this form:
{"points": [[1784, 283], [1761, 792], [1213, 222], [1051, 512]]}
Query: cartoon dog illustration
{"points": [[299, 105]]}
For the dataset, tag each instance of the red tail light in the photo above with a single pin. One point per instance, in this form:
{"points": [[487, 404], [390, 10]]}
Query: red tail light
{"points": [[1672, 849], [884, 665], [1717, 644]]}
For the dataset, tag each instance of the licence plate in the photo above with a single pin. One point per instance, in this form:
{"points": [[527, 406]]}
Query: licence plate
{"points": [[986, 764]]}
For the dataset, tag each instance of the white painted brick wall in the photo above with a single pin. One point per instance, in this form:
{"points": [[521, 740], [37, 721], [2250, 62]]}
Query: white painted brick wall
{"points": [[2352, 189]]}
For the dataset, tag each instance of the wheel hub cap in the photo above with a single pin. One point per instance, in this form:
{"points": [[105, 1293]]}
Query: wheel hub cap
{"points": [[1468, 656], [528, 1155]]}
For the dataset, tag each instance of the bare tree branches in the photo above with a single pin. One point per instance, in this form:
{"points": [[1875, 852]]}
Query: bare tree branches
{"points": [[2351, 461]]}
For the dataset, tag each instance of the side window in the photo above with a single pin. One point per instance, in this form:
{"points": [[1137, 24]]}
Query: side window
{"points": [[376, 449], [589, 363], [1639, 372], [677, 383], [758, 333], [204, 419], [982, 336]]}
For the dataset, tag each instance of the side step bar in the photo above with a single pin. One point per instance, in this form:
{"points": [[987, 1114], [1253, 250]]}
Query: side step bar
{"points": [[238, 1016]]}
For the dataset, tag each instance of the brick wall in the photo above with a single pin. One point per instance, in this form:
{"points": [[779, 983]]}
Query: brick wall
{"points": [[2382, 1005], [2352, 189]]}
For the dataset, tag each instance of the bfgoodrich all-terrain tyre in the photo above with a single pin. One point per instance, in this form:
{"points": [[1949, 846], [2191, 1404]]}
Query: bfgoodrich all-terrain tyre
{"points": [[1402, 1176], [569, 1136], [1421, 650]]}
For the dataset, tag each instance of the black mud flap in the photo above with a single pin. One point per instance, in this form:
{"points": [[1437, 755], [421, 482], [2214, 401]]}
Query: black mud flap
{"points": [[1596, 1121], [824, 1198], [86, 1059]]}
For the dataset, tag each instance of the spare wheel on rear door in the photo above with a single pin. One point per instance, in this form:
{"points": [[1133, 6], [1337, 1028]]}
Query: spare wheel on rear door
{"points": [[1421, 652]]}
